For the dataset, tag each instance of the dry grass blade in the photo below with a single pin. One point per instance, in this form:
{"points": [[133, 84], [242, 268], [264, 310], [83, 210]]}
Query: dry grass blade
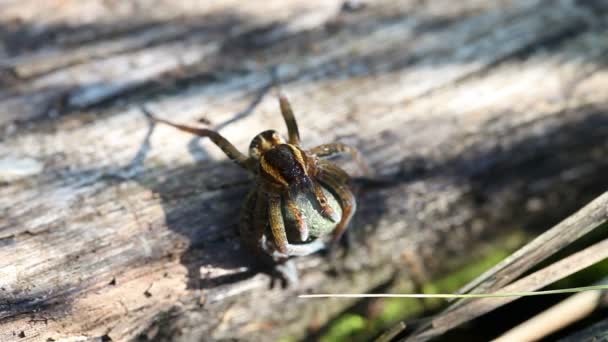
{"points": [[545, 245], [458, 295], [534, 281], [559, 316], [569, 230], [391, 333]]}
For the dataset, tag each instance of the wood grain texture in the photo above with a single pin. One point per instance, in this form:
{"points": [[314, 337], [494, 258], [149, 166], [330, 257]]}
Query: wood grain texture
{"points": [[481, 118]]}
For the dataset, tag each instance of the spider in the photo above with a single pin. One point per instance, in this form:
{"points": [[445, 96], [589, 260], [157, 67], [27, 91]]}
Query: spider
{"points": [[301, 203]]}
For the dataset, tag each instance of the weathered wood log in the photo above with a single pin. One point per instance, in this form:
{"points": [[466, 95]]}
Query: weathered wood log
{"points": [[479, 118]]}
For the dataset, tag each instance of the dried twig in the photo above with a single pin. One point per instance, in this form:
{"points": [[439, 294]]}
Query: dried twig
{"points": [[391, 333], [555, 318], [582, 222], [545, 245], [537, 280]]}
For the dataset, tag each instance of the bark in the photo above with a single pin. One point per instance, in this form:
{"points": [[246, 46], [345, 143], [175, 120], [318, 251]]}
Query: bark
{"points": [[479, 118]]}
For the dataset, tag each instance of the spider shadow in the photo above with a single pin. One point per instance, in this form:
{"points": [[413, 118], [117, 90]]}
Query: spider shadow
{"points": [[202, 203]]}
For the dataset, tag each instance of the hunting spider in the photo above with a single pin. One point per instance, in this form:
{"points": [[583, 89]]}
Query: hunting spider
{"points": [[300, 204]]}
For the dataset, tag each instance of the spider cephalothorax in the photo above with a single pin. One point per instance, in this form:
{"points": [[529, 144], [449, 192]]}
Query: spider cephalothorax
{"points": [[300, 203]]}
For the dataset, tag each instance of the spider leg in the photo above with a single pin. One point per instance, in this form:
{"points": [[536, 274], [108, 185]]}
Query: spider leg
{"points": [[260, 219], [288, 271], [327, 150], [253, 224], [290, 120], [302, 226], [217, 139], [336, 180], [248, 224], [334, 170], [277, 227], [325, 209]]}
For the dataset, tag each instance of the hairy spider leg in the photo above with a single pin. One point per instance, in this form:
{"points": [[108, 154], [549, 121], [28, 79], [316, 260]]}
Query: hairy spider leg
{"points": [[302, 226], [290, 120], [277, 227], [336, 180], [321, 201], [248, 224], [327, 150], [253, 224], [217, 139], [260, 220]]}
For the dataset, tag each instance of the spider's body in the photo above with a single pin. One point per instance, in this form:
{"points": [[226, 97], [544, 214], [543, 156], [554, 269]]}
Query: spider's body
{"points": [[300, 203]]}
